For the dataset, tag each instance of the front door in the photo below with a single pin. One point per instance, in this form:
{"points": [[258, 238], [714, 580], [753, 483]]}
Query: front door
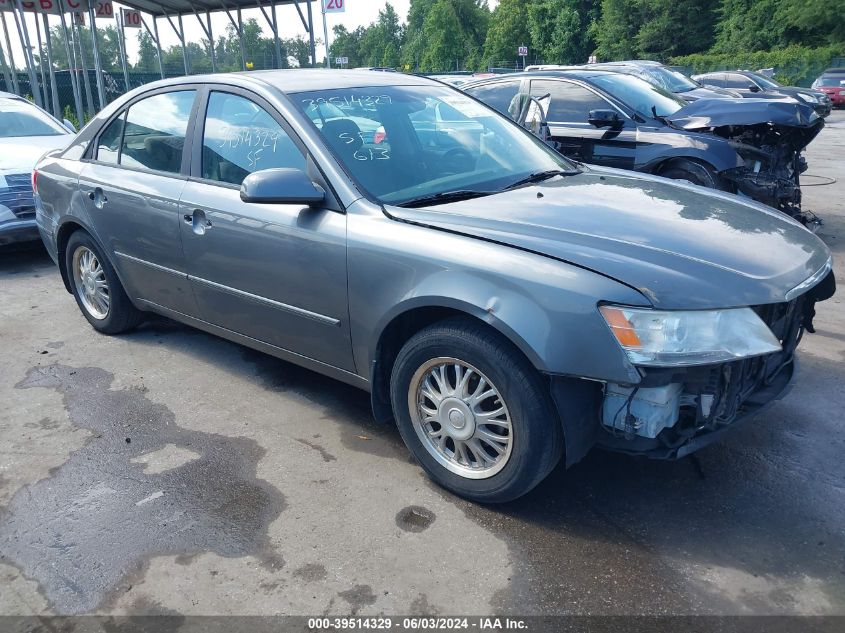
{"points": [[131, 187], [569, 108], [273, 272]]}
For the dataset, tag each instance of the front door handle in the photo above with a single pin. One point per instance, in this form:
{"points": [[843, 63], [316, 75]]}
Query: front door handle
{"points": [[199, 223]]}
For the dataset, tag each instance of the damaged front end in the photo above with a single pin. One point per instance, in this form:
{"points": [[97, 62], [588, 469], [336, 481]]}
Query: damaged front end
{"points": [[769, 136], [675, 411]]}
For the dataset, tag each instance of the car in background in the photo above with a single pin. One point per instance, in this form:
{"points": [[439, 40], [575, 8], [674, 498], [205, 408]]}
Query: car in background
{"points": [[507, 316], [668, 79], [751, 147], [452, 80], [832, 83], [26, 132], [754, 85]]}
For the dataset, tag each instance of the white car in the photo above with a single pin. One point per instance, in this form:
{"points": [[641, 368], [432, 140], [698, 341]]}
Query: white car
{"points": [[26, 133]]}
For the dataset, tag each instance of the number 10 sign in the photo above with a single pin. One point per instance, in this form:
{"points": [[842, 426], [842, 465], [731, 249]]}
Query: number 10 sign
{"points": [[334, 6]]}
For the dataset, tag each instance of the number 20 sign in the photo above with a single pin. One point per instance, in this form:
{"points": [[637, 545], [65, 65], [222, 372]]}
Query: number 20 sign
{"points": [[334, 6]]}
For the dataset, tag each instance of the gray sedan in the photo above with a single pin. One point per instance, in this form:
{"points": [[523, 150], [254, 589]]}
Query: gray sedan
{"points": [[510, 309]]}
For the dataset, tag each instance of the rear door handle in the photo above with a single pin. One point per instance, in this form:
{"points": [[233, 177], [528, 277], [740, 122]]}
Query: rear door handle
{"points": [[98, 196]]}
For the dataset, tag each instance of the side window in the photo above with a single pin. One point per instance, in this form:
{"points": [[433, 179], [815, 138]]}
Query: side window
{"points": [[737, 81], [497, 95], [155, 131], [108, 147], [240, 138], [570, 103], [717, 80]]}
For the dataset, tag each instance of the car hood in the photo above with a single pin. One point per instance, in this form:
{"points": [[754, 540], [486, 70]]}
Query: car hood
{"points": [[19, 154], [681, 246], [708, 113]]}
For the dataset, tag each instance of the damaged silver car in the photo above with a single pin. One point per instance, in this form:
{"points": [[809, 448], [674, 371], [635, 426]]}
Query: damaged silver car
{"points": [[508, 308]]}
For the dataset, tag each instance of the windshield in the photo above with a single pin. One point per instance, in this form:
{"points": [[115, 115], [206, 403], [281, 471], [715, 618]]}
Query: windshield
{"points": [[765, 82], [411, 142], [640, 95], [20, 118], [669, 80], [831, 80]]}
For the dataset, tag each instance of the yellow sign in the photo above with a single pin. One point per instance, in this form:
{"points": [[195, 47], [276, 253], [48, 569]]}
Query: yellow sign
{"points": [[249, 65]]}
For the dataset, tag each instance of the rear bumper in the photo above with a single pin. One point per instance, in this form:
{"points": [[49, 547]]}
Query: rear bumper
{"points": [[18, 231]]}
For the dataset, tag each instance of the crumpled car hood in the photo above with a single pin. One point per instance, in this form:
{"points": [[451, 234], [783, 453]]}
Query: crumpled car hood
{"points": [[712, 113], [681, 246]]}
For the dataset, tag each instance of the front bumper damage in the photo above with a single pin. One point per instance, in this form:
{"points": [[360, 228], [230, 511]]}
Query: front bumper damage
{"points": [[674, 412]]}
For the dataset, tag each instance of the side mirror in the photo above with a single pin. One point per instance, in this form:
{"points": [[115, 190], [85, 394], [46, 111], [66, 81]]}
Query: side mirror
{"points": [[281, 186], [754, 88], [70, 126], [604, 118]]}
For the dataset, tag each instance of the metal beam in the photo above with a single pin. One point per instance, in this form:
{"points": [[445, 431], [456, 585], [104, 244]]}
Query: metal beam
{"points": [[302, 17], [98, 67], [14, 71], [27, 52], [311, 35], [7, 75], [180, 33], [89, 98], [155, 39], [45, 96], [54, 89], [71, 65], [121, 43], [211, 39]]}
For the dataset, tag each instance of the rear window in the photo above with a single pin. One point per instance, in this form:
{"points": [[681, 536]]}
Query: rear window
{"points": [[20, 118]]}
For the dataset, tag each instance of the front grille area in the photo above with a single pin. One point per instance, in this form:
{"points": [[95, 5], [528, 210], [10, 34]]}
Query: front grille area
{"points": [[17, 196]]}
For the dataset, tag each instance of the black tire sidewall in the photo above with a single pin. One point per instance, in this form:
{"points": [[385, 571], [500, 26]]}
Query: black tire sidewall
{"points": [[122, 314], [537, 443]]}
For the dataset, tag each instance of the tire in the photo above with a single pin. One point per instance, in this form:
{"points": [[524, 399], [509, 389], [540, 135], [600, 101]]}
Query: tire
{"points": [[694, 172], [96, 287], [524, 453]]}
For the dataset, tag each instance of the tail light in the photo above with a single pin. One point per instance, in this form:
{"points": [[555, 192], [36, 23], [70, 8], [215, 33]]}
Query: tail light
{"points": [[379, 136], [34, 181]]}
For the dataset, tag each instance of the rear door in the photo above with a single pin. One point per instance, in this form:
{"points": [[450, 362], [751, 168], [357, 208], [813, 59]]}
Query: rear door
{"points": [[569, 108], [131, 184], [273, 272]]}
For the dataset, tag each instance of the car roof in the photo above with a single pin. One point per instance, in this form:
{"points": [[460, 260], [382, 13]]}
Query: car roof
{"points": [[574, 73], [300, 80], [10, 95]]}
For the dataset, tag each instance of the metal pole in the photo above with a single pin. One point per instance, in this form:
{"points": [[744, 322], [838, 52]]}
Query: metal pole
{"points": [[44, 95], [241, 39], [211, 40], [276, 36], [27, 53], [98, 66], [121, 41], [182, 40], [326, 35], [310, 34], [158, 47], [7, 76], [54, 89], [71, 65], [14, 71], [89, 94]]}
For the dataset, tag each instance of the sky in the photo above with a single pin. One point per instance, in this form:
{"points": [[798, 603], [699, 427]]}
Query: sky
{"points": [[358, 13]]}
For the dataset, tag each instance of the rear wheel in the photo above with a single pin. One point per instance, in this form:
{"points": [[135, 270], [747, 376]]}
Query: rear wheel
{"points": [[96, 287], [474, 412]]}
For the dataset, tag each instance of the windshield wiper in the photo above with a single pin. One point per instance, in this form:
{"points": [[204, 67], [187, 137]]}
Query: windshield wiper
{"points": [[539, 177], [444, 197]]}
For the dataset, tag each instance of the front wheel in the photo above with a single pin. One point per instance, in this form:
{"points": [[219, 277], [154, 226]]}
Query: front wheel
{"points": [[694, 172], [474, 412]]}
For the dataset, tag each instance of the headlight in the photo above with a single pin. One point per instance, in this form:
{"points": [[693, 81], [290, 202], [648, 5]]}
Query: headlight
{"points": [[808, 97], [689, 337]]}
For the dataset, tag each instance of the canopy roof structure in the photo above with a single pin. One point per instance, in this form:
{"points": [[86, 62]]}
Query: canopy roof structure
{"points": [[170, 10]]}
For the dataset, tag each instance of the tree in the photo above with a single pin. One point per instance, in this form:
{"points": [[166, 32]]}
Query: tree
{"points": [[444, 38], [347, 43], [561, 29], [508, 31], [616, 30], [675, 27], [381, 41], [147, 53], [107, 41]]}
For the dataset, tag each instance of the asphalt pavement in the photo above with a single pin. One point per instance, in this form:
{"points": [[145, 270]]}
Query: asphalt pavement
{"points": [[170, 472]]}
